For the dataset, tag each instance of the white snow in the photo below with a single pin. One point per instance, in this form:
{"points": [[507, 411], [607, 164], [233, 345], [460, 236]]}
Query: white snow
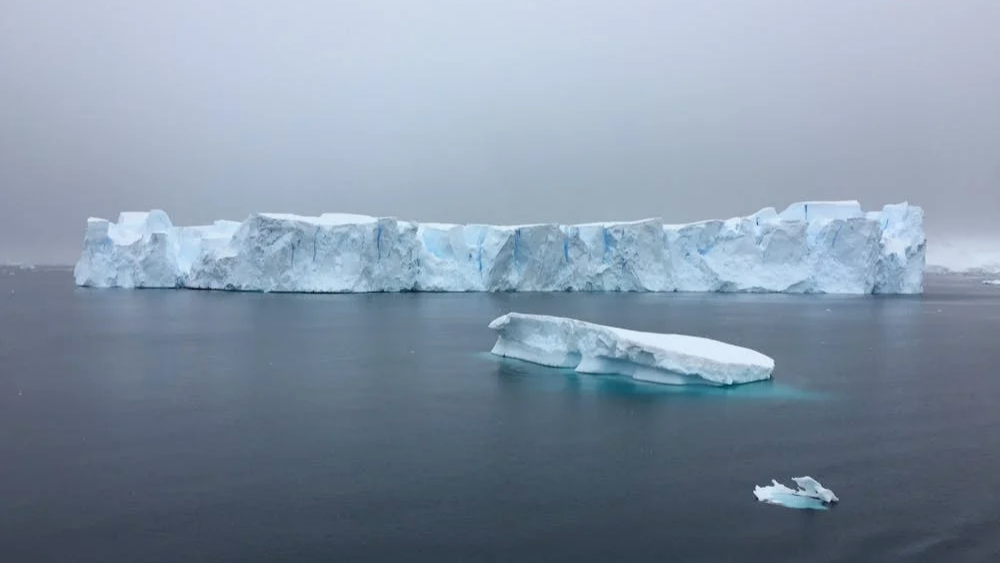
{"points": [[991, 282], [324, 219], [813, 210], [811, 247], [809, 494], [597, 349]]}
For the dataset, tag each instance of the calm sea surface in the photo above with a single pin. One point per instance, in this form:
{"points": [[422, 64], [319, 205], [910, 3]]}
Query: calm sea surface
{"points": [[189, 426]]}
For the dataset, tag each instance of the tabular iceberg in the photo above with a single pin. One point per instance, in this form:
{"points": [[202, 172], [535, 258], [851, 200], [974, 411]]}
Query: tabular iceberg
{"points": [[815, 247], [644, 356]]}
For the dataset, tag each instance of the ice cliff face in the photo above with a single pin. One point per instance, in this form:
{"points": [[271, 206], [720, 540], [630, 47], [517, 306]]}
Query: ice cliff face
{"points": [[815, 247]]}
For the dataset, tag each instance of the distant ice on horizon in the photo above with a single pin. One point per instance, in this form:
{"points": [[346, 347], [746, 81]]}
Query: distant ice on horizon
{"points": [[968, 255]]}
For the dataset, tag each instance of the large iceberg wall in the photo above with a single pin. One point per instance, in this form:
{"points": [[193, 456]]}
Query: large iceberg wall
{"points": [[811, 247]]}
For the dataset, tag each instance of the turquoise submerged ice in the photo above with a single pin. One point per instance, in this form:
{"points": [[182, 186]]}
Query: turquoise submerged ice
{"points": [[814, 247], [597, 349]]}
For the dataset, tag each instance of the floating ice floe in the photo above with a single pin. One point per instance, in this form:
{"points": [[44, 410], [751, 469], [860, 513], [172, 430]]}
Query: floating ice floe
{"points": [[810, 494], [645, 356]]}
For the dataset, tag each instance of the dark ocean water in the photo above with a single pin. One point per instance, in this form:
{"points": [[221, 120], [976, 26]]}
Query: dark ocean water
{"points": [[190, 426]]}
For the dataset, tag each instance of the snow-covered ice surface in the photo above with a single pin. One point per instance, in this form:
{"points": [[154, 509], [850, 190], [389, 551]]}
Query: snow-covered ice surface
{"points": [[810, 247], [810, 494], [597, 349]]}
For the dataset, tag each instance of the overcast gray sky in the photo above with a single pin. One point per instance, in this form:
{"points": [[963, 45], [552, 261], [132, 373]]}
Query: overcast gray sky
{"points": [[492, 110]]}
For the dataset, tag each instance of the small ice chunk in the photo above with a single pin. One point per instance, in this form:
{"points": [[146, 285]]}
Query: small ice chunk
{"points": [[810, 494], [991, 282], [644, 356]]}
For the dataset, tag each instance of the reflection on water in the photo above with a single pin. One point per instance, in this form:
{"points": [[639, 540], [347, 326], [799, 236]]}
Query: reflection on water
{"points": [[518, 372], [798, 502]]}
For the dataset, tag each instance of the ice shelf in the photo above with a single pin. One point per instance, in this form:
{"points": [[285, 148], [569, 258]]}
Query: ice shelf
{"points": [[810, 247]]}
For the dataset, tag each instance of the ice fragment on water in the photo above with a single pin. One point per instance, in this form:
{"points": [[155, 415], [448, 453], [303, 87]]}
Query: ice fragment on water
{"points": [[645, 356], [810, 494]]}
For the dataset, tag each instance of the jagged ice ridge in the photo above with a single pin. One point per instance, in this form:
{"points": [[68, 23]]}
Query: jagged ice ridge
{"points": [[810, 247]]}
